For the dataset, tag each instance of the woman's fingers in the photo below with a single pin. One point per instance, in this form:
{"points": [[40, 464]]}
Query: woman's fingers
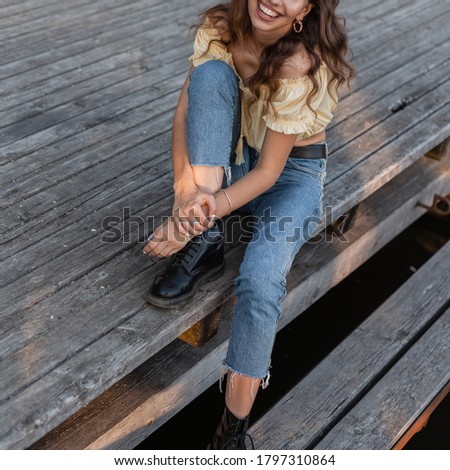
{"points": [[189, 226], [192, 222], [181, 224], [165, 240], [165, 252], [210, 201], [200, 216]]}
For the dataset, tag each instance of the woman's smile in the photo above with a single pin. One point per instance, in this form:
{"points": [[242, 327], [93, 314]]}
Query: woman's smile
{"points": [[266, 13]]}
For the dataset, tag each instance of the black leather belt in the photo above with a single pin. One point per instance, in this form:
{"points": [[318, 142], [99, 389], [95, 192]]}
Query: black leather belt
{"points": [[310, 151]]}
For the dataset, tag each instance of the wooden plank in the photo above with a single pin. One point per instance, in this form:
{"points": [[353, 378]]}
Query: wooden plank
{"points": [[94, 76], [32, 43], [427, 134], [401, 49], [387, 411], [403, 192], [50, 206], [440, 150], [78, 109], [376, 105], [349, 14], [422, 421], [138, 157], [29, 124], [150, 87], [48, 18], [144, 400], [51, 63], [70, 127], [12, 7], [363, 12], [399, 23], [301, 418], [140, 403], [62, 191], [375, 114], [303, 269], [65, 260], [96, 285], [83, 374], [35, 75], [381, 81], [88, 66]]}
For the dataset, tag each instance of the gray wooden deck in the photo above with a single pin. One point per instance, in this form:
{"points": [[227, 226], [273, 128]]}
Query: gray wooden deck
{"points": [[88, 91]]}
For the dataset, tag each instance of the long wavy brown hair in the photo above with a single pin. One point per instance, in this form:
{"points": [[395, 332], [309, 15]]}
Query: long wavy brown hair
{"points": [[323, 31]]}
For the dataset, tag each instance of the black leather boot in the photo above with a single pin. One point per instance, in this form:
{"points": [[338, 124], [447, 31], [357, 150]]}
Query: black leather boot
{"points": [[230, 433], [201, 260]]}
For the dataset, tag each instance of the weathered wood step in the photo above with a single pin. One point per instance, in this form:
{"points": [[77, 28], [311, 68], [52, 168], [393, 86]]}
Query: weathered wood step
{"points": [[325, 396], [144, 400], [386, 413]]}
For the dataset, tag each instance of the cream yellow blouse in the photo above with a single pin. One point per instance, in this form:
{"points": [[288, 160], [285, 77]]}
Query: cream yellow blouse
{"points": [[291, 116]]}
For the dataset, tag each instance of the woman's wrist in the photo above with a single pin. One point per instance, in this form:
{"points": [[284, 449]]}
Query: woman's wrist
{"points": [[222, 203], [184, 181], [230, 203]]}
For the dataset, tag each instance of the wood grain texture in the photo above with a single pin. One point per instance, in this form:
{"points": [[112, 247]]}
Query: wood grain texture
{"points": [[388, 410], [423, 419]]}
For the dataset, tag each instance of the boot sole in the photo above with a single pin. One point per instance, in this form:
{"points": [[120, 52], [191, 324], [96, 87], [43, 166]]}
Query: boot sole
{"points": [[210, 276]]}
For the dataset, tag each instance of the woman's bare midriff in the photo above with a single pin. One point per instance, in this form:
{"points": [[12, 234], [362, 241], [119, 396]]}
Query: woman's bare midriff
{"points": [[314, 139]]}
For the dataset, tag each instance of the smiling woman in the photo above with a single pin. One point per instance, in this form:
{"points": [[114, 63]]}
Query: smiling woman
{"points": [[259, 95]]}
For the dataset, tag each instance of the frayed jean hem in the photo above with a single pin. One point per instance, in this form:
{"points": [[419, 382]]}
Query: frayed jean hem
{"points": [[227, 169], [225, 368]]}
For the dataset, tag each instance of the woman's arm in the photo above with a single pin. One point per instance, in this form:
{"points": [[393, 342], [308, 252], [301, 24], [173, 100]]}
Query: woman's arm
{"points": [[274, 154], [182, 171]]}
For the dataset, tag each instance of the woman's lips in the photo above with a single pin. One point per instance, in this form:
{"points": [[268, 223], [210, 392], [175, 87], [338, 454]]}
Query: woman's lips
{"points": [[264, 16]]}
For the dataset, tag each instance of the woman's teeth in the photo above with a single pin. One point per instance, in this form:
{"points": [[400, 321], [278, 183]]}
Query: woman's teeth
{"points": [[267, 12]]}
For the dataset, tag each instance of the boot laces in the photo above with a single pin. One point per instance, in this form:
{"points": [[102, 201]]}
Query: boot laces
{"points": [[238, 440], [182, 257]]}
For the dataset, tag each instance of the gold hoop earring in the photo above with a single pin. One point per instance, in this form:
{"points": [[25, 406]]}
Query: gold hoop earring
{"points": [[298, 26]]}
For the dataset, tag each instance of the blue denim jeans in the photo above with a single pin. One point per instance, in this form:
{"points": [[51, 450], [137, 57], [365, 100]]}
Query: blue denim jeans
{"points": [[284, 216]]}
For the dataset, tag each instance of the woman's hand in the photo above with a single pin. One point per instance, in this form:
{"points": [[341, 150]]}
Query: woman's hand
{"points": [[193, 211], [170, 237], [165, 240], [192, 215]]}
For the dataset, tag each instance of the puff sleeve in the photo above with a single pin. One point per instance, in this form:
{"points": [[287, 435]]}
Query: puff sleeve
{"points": [[288, 112], [217, 51]]}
